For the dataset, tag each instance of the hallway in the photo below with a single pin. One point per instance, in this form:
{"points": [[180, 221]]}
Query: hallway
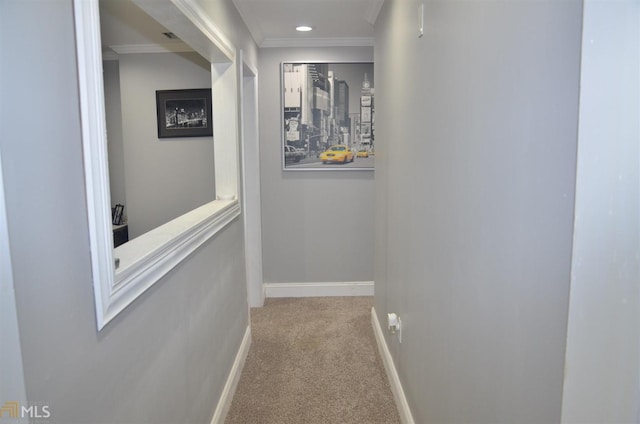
{"points": [[501, 223], [313, 360]]}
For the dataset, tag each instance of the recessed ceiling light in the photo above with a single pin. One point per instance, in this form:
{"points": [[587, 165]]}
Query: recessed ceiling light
{"points": [[303, 28]]}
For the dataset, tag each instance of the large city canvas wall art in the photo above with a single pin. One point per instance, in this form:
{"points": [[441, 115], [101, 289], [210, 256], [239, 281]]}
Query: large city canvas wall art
{"points": [[328, 116]]}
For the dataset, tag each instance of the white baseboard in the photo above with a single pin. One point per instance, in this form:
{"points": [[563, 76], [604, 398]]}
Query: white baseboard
{"points": [[224, 403], [353, 288], [394, 380]]}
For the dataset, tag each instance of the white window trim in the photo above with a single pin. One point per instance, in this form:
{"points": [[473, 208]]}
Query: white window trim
{"points": [[146, 259]]}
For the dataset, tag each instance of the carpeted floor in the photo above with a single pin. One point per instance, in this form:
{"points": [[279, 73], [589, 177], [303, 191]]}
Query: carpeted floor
{"points": [[313, 360]]}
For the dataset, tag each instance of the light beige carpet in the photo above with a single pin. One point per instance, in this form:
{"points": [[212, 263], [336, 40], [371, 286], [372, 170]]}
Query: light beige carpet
{"points": [[313, 360]]}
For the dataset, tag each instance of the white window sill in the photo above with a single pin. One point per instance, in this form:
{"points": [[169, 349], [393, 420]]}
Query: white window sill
{"points": [[147, 258]]}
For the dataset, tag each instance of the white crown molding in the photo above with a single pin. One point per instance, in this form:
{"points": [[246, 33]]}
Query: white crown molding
{"points": [[371, 15], [318, 42], [151, 48], [252, 24]]}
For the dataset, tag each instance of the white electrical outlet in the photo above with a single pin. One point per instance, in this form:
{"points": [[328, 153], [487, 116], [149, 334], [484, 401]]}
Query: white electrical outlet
{"points": [[394, 324]]}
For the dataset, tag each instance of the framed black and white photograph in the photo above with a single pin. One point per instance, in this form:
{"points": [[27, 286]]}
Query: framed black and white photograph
{"points": [[184, 113], [116, 217], [328, 116]]}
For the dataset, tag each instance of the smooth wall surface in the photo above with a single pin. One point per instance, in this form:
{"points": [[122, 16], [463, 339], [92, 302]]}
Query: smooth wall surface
{"points": [[164, 177], [113, 113], [477, 131], [602, 382], [164, 359], [317, 225], [12, 381], [228, 20]]}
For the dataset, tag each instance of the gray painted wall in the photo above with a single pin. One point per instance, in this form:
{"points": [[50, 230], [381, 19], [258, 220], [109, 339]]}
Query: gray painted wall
{"points": [[477, 130], [113, 114], [228, 20], [602, 382], [165, 359], [12, 381], [317, 225], [165, 177]]}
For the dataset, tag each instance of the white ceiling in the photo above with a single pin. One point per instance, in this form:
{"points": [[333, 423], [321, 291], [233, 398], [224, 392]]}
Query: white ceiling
{"points": [[125, 27], [335, 22], [271, 23], [124, 23]]}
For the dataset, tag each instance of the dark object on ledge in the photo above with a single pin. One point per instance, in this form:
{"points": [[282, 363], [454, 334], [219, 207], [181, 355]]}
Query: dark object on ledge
{"points": [[120, 234]]}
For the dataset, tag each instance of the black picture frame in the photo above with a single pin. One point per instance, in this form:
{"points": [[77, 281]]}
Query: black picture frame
{"points": [[117, 214], [184, 113]]}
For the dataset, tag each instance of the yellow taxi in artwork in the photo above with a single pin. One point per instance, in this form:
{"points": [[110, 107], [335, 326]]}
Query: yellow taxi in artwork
{"points": [[338, 153], [362, 154]]}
